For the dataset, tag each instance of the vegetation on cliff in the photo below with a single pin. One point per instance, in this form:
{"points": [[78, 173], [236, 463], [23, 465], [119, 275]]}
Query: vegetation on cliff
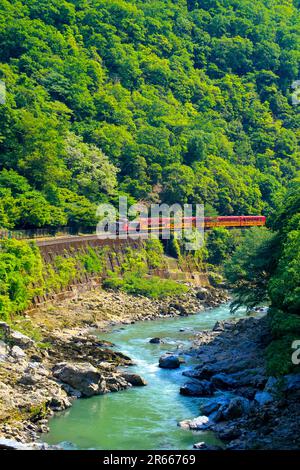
{"points": [[266, 267], [132, 276], [25, 275], [161, 100]]}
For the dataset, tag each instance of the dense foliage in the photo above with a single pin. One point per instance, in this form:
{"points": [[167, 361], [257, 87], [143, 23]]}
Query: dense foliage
{"points": [[21, 276], [266, 266], [163, 100], [24, 275], [132, 276]]}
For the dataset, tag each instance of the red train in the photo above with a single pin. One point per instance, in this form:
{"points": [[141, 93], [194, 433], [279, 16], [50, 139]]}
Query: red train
{"points": [[168, 223]]}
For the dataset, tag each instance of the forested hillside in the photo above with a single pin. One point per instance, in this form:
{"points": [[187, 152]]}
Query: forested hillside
{"points": [[162, 100]]}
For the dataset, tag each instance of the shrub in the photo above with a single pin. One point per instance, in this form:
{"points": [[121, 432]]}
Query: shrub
{"points": [[153, 286], [154, 253], [91, 260], [113, 281], [132, 276], [285, 330], [173, 248], [278, 356], [283, 323], [66, 270], [150, 286], [21, 276]]}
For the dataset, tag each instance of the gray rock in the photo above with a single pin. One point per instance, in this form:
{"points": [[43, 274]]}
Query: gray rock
{"points": [[116, 382], [169, 361], [271, 385], [199, 423], [229, 433], [251, 377], [10, 444], [3, 350], [82, 377], [134, 379], [213, 405], [59, 403], [223, 325], [223, 381], [230, 366], [195, 424], [18, 339], [195, 388], [29, 380], [17, 352], [262, 398], [4, 327], [236, 408], [107, 366]]}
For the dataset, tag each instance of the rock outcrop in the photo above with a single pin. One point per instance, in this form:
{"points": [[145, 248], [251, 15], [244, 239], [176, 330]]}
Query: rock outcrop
{"points": [[134, 379], [83, 377], [169, 361], [195, 388], [248, 409]]}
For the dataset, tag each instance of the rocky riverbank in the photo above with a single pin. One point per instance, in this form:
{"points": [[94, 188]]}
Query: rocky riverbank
{"points": [[245, 407], [41, 377]]}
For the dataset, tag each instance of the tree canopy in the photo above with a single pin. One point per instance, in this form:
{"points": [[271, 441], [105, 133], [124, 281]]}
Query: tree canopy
{"points": [[163, 100]]}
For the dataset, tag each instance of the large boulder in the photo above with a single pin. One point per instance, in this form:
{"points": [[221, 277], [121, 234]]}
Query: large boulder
{"points": [[169, 361], [262, 398], [18, 339], [156, 341], [82, 377], [134, 379], [251, 377], [15, 338], [234, 364], [115, 383], [196, 388], [236, 408], [214, 404], [195, 424], [223, 381]]}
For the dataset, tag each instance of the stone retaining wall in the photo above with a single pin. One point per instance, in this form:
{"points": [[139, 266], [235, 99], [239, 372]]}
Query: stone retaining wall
{"points": [[114, 253]]}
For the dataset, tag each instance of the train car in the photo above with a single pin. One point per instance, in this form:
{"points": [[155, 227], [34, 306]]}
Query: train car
{"points": [[160, 224], [253, 221], [235, 221], [222, 221]]}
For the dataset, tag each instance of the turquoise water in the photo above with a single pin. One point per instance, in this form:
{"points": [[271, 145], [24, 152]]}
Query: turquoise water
{"points": [[141, 417]]}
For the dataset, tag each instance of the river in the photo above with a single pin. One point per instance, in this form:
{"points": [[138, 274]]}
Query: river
{"points": [[141, 417]]}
